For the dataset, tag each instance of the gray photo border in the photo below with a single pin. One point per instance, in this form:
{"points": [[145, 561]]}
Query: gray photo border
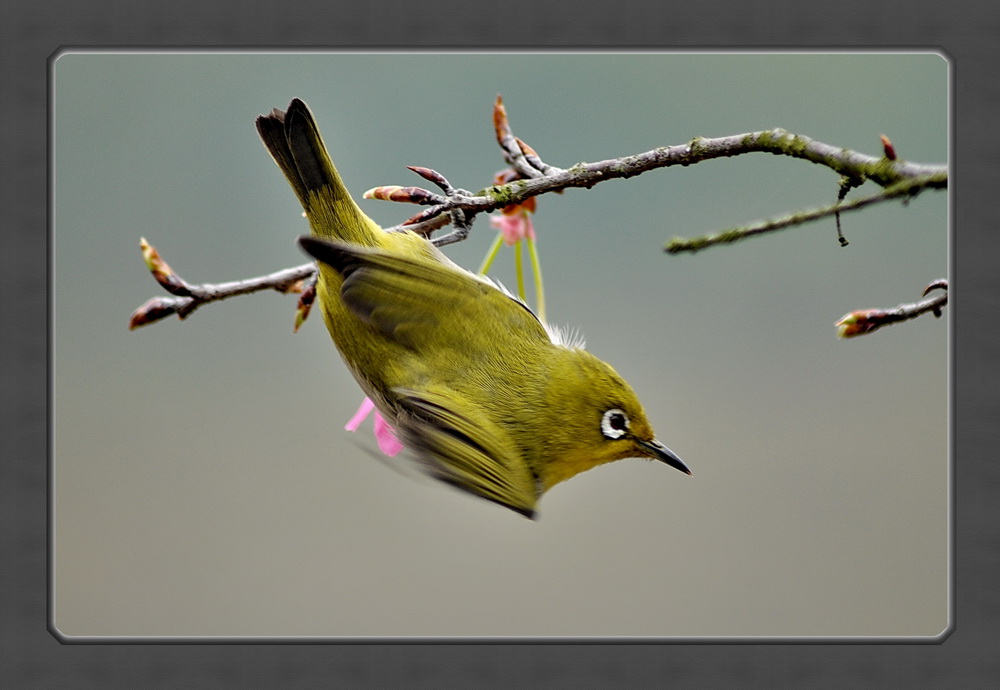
{"points": [[31, 657]]}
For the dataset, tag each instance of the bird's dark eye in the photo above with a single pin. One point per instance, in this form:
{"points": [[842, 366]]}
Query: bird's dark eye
{"points": [[614, 424]]}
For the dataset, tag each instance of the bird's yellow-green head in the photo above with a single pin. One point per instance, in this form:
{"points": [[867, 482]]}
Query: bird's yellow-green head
{"points": [[595, 418]]}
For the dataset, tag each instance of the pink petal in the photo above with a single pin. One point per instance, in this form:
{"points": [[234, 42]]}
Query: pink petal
{"points": [[513, 227], [386, 437], [366, 407], [388, 443]]}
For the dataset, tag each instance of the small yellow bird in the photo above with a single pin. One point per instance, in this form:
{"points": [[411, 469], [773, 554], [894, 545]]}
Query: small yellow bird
{"points": [[489, 398]]}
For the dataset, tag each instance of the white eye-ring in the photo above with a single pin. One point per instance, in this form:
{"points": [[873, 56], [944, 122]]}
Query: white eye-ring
{"points": [[614, 424]]}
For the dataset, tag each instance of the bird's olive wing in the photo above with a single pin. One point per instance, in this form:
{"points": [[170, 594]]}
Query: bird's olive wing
{"points": [[418, 301], [471, 455]]}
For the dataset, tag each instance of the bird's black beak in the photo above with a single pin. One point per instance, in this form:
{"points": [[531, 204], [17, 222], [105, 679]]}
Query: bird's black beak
{"points": [[663, 454]]}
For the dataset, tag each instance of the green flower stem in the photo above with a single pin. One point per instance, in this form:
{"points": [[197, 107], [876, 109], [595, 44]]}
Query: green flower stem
{"points": [[536, 267], [491, 254], [520, 272]]}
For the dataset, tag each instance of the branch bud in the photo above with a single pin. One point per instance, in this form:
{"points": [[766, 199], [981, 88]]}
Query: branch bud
{"points": [[859, 322], [527, 150], [163, 274], [413, 195], [306, 300], [429, 175], [500, 124], [153, 310], [887, 148]]}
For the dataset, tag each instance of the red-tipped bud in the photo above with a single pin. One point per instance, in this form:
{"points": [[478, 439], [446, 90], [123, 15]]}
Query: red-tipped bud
{"points": [[859, 322], [426, 214], [163, 274], [153, 310], [527, 150], [295, 288], [429, 175], [413, 195], [306, 300], [887, 148], [500, 124]]}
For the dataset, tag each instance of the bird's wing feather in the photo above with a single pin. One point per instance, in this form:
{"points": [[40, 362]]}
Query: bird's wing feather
{"points": [[418, 302], [470, 455], [428, 306]]}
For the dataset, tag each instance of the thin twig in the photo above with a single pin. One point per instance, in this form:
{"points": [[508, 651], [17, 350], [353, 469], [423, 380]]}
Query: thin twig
{"points": [[865, 321], [188, 297], [906, 188]]}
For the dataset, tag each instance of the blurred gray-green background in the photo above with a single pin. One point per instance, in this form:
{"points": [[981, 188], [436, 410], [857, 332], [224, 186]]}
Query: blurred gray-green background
{"points": [[203, 482]]}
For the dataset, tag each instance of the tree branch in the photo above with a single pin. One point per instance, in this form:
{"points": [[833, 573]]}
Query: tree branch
{"points": [[530, 176], [188, 297], [858, 167], [865, 321], [905, 188]]}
